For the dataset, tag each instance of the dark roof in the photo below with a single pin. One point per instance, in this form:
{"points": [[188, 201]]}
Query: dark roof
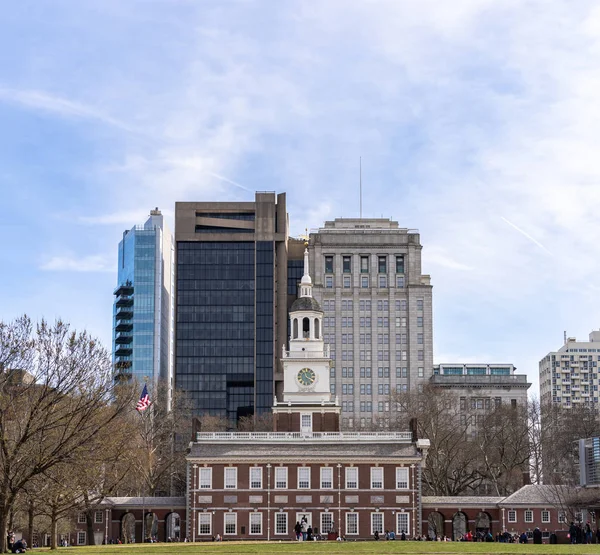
{"points": [[306, 303], [301, 450]]}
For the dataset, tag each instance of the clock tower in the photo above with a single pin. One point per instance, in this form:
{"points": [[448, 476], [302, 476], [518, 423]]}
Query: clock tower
{"points": [[307, 405]]}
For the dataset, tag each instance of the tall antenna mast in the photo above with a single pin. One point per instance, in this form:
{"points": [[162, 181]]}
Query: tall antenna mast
{"points": [[360, 182]]}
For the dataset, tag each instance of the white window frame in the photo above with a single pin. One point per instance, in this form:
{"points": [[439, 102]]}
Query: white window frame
{"points": [[402, 477], [232, 518], [375, 482], [308, 428], [562, 517], [203, 520], [528, 516], [305, 472], [98, 517], [282, 520], [257, 478], [323, 517], [257, 517], [81, 538], [81, 518], [351, 470], [349, 517], [399, 526], [205, 478], [512, 516], [324, 481], [373, 519], [545, 517], [282, 478], [230, 477]]}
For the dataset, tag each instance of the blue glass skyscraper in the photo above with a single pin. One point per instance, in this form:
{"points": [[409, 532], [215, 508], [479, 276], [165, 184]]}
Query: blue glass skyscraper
{"points": [[143, 306]]}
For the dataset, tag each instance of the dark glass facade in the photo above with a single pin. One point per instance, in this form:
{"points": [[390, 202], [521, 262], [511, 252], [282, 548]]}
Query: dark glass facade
{"points": [[265, 305], [215, 340]]}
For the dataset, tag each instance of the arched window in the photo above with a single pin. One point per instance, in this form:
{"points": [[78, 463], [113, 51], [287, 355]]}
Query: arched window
{"points": [[306, 328], [317, 330], [295, 332]]}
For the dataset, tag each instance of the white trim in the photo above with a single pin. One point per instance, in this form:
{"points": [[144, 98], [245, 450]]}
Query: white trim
{"points": [[258, 471], [286, 524], [260, 519], [81, 537], [348, 533], [307, 471], [207, 518], [329, 470], [229, 516], [374, 479], [330, 524], [545, 513], [379, 514], [351, 469], [528, 516], [399, 528], [512, 513], [230, 470], [284, 470], [206, 471], [400, 480]]}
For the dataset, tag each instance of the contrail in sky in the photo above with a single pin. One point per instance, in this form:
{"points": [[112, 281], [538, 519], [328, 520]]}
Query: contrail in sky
{"points": [[526, 235], [229, 181]]}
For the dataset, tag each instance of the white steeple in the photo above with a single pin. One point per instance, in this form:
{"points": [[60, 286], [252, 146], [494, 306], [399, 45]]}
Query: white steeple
{"points": [[306, 282]]}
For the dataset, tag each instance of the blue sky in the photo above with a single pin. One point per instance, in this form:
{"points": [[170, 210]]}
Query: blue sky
{"points": [[477, 122]]}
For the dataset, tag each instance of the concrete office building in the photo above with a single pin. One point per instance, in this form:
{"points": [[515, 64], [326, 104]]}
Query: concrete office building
{"points": [[143, 306], [483, 386], [569, 376], [231, 303], [377, 313]]}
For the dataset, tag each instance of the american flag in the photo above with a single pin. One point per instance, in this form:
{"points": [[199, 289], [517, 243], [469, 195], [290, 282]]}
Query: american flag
{"points": [[144, 401]]}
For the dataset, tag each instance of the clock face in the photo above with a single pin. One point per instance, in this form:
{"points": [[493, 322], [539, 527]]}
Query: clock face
{"points": [[306, 376]]}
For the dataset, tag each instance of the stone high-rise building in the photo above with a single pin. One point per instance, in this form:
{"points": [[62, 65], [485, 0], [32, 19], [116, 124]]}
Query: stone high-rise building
{"points": [[377, 313], [569, 376]]}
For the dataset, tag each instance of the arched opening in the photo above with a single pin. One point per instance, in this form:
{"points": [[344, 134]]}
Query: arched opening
{"points": [[128, 528], [295, 324], [306, 328], [435, 525], [317, 328], [483, 523], [151, 527], [173, 527], [459, 526]]}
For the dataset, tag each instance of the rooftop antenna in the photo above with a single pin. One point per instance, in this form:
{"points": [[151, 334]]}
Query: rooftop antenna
{"points": [[360, 182], [565, 336]]}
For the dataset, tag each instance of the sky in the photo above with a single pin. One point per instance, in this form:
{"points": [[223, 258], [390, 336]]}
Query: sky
{"points": [[477, 122]]}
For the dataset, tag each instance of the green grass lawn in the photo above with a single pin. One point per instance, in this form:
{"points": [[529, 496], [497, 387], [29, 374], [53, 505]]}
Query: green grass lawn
{"points": [[332, 548]]}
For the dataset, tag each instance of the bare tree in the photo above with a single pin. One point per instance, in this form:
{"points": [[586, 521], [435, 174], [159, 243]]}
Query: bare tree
{"points": [[56, 397], [259, 423], [451, 467]]}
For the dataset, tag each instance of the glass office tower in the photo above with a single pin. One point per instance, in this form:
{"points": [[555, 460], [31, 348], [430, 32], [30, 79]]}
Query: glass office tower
{"points": [[143, 307], [231, 319]]}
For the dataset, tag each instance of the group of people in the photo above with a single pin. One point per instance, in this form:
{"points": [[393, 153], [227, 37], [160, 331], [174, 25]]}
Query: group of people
{"points": [[16, 546], [583, 533], [304, 531], [389, 535]]}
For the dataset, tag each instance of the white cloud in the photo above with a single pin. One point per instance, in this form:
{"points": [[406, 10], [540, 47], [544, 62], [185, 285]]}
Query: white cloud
{"points": [[92, 263]]}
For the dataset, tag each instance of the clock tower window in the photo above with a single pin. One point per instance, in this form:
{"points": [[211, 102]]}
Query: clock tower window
{"points": [[306, 328]]}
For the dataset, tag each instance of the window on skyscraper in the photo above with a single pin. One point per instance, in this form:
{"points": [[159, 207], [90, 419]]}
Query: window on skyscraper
{"points": [[399, 264], [329, 264], [347, 264]]}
